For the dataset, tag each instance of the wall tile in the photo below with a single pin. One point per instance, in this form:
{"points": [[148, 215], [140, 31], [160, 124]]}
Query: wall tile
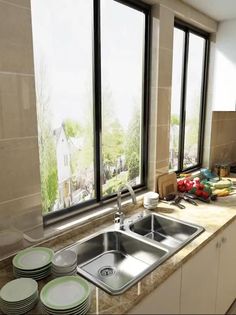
{"points": [[222, 153], [11, 211], [165, 68], [19, 172], [17, 106], [166, 27], [16, 49], [162, 146], [19, 3], [153, 107], [164, 105]]}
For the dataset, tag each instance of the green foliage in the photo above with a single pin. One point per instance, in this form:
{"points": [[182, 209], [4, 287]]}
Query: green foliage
{"points": [[132, 146], [47, 150], [133, 166], [72, 128], [175, 120], [114, 183]]}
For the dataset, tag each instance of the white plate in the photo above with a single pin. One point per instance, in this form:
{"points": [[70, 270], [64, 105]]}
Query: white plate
{"points": [[64, 269], [12, 291], [78, 310], [33, 258], [35, 277], [64, 259], [65, 293], [21, 310], [20, 303]]}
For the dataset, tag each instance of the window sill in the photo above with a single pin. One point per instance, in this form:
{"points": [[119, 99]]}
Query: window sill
{"points": [[102, 213]]}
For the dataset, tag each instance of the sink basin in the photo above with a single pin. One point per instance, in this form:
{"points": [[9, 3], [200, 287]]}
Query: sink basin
{"points": [[115, 260], [167, 231]]}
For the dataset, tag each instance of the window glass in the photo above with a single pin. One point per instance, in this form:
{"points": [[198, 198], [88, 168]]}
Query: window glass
{"points": [[63, 58], [193, 99], [187, 108], [122, 68], [176, 96]]}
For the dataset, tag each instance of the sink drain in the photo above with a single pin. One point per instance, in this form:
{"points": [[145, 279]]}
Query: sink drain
{"points": [[107, 271]]}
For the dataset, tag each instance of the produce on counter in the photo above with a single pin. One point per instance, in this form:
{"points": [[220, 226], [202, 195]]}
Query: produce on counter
{"points": [[195, 186], [204, 188]]}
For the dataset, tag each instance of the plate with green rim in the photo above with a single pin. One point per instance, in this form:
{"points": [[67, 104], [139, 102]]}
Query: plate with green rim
{"points": [[12, 291], [33, 258], [65, 293]]}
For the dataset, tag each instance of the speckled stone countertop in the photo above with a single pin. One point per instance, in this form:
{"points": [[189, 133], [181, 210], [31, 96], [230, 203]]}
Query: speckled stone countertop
{"points": [[214, 217]]}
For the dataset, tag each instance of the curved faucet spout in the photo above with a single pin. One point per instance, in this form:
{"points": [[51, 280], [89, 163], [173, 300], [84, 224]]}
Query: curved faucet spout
{"points": [[119, 216]]}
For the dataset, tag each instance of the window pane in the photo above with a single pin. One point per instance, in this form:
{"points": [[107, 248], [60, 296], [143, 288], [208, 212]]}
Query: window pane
{"points": [[122, 56], [193, 99], [176, 98], [63, 54]]}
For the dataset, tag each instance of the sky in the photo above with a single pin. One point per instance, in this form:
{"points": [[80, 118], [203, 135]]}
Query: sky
{"points": [[63, 53]]}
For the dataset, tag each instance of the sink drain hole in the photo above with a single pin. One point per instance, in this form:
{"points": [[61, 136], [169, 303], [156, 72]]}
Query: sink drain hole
{"points": [[107, 271]]}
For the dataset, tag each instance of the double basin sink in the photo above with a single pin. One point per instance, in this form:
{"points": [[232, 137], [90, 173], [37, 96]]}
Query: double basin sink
{"points": [[115, 259]]}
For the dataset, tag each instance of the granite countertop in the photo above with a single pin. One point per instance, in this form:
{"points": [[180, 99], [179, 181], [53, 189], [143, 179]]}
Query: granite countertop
{"points": [[214, 217]]}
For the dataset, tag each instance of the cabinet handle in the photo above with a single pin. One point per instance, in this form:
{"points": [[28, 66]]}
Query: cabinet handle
{"points": [[224, 239], [218, 244]]}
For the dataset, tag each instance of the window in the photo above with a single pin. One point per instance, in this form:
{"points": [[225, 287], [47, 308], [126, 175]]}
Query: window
{"points": [[91, 75], [189, 72]]}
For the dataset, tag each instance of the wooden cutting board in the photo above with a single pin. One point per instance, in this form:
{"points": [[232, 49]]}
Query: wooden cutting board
{"points": [[167, 184]]}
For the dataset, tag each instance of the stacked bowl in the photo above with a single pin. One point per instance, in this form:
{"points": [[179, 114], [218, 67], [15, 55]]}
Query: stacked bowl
{"points": [[150, 200], [65, 295], [33, 263], [64, 263], [19, 296]]}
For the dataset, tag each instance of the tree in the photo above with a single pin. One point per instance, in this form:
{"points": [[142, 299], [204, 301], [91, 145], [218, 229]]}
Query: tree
{"points": [[72, 128], [133, 166], [132, 146], [47, 150]]}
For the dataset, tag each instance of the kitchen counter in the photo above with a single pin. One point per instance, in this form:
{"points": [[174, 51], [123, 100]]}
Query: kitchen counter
{"points": [[214, 217]]}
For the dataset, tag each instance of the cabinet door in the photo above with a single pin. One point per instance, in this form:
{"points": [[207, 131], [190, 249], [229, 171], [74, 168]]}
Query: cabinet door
{"points": [[199, 281], [163, 300], [226, 290]]}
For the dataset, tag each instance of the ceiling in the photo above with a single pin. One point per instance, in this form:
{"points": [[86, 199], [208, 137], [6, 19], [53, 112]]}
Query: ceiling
{"points": [[219, 10]]}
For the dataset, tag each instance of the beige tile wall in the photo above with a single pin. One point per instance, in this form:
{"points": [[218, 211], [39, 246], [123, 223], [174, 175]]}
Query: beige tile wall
{"points": [[223, 138], [19, 158]]}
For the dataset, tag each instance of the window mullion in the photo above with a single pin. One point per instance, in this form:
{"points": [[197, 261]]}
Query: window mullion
{"points": [[203, 100], [183, 105], [97, 98]]}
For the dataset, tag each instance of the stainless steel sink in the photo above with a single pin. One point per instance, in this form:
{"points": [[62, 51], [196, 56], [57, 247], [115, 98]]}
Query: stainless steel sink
{"points": [[115, 260], [167, 231]]}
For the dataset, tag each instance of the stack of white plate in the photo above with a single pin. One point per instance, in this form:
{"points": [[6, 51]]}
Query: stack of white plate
{"points": [[33, 263], [19, 296], [150, 200], [64, 263], [65, 295]]}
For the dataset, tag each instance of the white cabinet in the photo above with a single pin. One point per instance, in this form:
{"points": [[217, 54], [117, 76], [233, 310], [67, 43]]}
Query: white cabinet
{"points": [[163, 300], [206, 283], [199, 281], [209, 277], [226, 289]]}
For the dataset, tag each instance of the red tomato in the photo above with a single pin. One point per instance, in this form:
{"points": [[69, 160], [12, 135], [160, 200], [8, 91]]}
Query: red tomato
{"points": [[198, 192], [182, 188], [180, 182], [205, 194], [201, 186]]}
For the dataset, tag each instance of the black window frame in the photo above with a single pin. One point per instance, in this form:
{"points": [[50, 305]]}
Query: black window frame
{"points": [[187, 28], [99, 200]]}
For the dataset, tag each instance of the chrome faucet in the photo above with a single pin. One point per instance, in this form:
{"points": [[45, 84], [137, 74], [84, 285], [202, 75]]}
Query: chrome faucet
{"points": [[119, 215]]}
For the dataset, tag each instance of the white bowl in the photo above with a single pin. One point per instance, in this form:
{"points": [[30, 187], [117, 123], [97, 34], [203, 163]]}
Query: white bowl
{"points": [[64, 259]]}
